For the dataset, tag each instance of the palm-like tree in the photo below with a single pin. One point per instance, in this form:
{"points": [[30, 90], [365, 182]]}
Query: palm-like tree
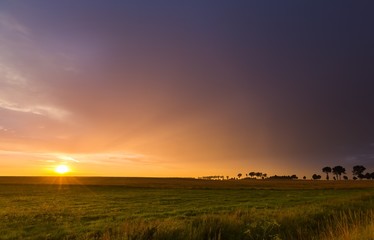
{"points": [[327, 170], [338, 171]]}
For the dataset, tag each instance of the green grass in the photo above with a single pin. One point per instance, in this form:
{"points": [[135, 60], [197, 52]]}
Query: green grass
{"points": [[92, 208]]}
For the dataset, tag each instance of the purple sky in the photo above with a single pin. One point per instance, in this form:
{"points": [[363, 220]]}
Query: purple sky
{"points": [[172, 88]]}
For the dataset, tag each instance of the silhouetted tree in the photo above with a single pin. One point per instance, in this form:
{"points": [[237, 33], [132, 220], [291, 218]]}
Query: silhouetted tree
{"points": [[372, 175], [316, 177], [258, 174], [367, 176], [239, 175], [354, 178], [327, 170], [227, 177], [284, 177], [358, 171], [338, 171], [345, 177], [252, 174], [264, 175], [211, 177], [304, 177]]}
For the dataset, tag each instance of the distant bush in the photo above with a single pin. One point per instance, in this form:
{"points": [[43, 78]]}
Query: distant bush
{"points": [[212, 177], [292, 177], [316, 177]]}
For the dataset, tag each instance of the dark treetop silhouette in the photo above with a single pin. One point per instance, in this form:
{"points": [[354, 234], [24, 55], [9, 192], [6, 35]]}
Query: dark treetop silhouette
{"points": [[327, 170]]}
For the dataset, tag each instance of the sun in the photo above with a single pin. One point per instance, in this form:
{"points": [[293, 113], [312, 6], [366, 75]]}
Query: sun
{"points": [[62, 169]]}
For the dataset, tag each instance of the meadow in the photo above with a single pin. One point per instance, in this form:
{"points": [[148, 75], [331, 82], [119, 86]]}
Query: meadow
{"points": [[156, 208]]}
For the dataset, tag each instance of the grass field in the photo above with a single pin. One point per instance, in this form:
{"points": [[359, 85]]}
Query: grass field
{"points": [[146, 208]]}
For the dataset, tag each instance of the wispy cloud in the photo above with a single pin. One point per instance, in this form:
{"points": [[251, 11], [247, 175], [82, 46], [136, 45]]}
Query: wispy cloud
{"points": [[47, 111], [10, 23], [10, 76], [21, 87], [91, 158], [113, 158], [3, 129], [67, 158], [16, 91]]}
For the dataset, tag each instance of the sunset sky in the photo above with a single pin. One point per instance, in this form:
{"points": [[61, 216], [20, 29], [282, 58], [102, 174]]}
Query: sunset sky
{"points": [[185, 88]]}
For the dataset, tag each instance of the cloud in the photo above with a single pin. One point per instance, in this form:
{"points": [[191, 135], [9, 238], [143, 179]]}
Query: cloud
{"points": [[115, 158], [21, 94], [12, 77], [67, 158], [10, 23], [108, 158], [47, 111]]}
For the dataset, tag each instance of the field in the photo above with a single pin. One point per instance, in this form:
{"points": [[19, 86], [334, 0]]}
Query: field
{"points": [[147, 208]]}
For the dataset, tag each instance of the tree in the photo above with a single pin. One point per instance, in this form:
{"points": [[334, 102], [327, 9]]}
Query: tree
{"points": [[304, 177], [338, 171], [327, 170], [239, 175], [316, 177], [367, 176], [264, 175], [372, 175], [258, 174], [361, 176], [358, 171], [252, 174], [345, 177]]}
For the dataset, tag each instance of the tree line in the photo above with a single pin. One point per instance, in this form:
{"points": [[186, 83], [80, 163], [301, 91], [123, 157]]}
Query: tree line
{"points": [[338, 172], [251, 175]]}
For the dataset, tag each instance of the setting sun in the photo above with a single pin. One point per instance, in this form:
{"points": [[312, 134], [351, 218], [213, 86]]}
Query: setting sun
{"points": [[62, 169]]}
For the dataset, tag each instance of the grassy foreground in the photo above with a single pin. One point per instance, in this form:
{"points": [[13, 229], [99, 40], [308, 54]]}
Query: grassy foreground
{"points": [[141, 208]]}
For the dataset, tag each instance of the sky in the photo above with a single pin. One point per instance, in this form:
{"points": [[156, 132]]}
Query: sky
{"points": [[185, 88]]}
